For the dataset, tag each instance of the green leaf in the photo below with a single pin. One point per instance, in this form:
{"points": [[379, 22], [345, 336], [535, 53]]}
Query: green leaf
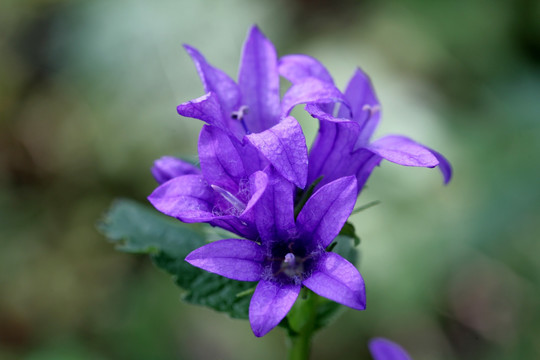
{"points": [[135, 228], [349, 230], [345, 246]]}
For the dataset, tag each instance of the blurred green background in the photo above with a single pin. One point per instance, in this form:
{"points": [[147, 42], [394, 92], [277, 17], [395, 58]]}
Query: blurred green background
{"points": [[88, 91]]}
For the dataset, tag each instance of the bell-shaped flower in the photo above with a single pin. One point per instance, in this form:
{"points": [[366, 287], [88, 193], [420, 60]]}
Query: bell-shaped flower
{"points": [[248, 127], [343, 145], [251, 111], [221, 193], [289, 253]]}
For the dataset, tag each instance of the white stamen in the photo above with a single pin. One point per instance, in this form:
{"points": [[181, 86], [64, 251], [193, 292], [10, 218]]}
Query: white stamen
{"points": [[371, 109], [240, 113]]}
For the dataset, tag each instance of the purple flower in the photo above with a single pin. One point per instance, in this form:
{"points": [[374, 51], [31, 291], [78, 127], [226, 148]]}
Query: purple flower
{"points": [[251, 112], [222, 193], [289, 254], [383, 349], [247, 129], [343, 145]]}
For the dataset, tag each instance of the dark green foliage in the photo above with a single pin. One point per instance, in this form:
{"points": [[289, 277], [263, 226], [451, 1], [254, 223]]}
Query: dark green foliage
{"points": [[348, 230]]}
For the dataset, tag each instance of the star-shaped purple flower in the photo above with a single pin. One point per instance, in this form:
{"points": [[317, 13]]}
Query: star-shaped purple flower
{"points": [[290, 254], [343, 145]]}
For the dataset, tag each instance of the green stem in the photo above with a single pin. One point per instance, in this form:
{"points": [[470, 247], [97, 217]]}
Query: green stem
{"points": [[299, 346], [299, 339]]}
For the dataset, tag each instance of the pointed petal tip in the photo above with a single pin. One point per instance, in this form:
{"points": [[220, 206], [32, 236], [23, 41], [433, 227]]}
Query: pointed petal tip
{"points": [[350, 181], [269, 305], [338, 280], [255, 30], [360, 72], [190, 258], [189, 49], [195, 54], [444, 166], [260, 332]]}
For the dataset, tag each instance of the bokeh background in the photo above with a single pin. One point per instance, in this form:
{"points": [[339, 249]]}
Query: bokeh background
{"points": [[88, 91]]}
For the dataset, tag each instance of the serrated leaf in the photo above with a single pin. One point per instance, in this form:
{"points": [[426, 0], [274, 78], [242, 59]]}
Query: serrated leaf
{"points": [[135, 228]]}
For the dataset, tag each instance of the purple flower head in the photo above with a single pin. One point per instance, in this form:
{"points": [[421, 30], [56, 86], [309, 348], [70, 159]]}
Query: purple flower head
{"points": [[383, 349], [248, 127], [222, 193], [289, 253], [343, 146], [251, 111]]}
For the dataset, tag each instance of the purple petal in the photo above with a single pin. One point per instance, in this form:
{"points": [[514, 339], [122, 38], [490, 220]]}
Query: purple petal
{"points": [[188, 198], [366, 161], [308, 91], [321, 113], [205, 108], [364, 105], [270, 304], [232, 258], [259, 82], [252, 158], [235, 225], [337, 279], [332, 155], [215, 80], [331, 152], [168, 167], [285, 148], [258, 182], [403, 151], [326, 211], [296, 68], [221, 163], [444, 166], [383, 349], [274, 212]]}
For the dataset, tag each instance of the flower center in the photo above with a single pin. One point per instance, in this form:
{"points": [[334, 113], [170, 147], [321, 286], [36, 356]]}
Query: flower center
{"points": [[290, 262], [292, 266]]}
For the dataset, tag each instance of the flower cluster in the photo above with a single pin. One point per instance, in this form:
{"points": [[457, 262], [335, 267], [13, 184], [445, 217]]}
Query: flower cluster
{"points": [[255, 172]]}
